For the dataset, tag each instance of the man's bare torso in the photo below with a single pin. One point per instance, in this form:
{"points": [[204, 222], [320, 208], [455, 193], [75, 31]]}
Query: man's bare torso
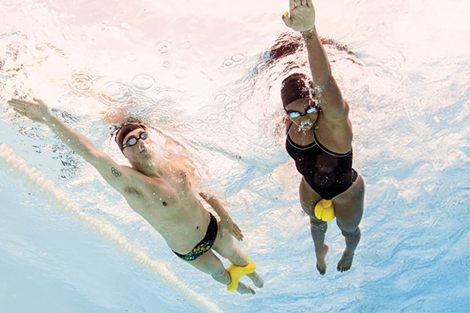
{"points": [[170, 205]]}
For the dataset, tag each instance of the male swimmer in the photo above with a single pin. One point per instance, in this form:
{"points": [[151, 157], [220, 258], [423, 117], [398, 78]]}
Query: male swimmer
{"points": [[162, 195]]}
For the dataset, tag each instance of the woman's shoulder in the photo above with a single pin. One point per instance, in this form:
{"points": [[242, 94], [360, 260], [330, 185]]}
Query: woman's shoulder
{"points": [[335, 135]]}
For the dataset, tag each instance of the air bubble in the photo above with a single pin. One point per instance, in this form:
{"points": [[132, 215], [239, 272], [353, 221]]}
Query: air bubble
{"points": [[163, 47], [143, 82]]}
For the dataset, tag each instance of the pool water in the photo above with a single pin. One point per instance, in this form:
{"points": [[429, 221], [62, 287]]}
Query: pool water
{"points": [[201, 73]]}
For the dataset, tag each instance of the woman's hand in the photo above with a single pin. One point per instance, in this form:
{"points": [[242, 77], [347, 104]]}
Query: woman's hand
{"points": [[228, 225], [36, 111], [302, 15]]}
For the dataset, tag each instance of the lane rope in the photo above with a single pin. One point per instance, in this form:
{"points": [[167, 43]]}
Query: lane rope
{"points": [[36, 181]]}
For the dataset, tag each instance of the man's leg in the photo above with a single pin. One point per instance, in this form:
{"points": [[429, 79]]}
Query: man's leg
{"points": [[226, 247], [209, 263]]}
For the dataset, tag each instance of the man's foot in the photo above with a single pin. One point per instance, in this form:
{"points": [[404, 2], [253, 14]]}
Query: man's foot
{"points": [[256, 279], [245, 289], [321, 263], [346, 261]]}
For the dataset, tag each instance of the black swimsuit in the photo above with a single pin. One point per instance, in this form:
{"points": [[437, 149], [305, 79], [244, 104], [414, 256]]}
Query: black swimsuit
{"points": [[328, 173]]}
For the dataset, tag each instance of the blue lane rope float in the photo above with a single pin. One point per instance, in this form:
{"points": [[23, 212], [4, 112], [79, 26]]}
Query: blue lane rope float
{"points": [[15, 166]]}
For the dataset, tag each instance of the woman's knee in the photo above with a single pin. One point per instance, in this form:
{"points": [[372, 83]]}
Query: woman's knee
{"points": [[315, 222], [348, 227], [317, 225]]}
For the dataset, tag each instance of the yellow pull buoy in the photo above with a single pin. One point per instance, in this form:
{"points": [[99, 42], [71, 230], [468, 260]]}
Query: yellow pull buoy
{"points": [[236, 272], [324, 210]]}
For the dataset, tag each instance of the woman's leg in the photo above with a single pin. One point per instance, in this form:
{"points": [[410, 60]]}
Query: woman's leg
{"points": [[226, 247], [308, 200], [349, 207]]}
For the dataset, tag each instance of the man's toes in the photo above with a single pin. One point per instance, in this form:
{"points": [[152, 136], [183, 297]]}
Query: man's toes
{"points": [[244, 289]]}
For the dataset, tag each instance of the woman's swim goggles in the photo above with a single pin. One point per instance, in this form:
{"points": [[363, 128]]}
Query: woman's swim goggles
{"points": [[311, 109]]}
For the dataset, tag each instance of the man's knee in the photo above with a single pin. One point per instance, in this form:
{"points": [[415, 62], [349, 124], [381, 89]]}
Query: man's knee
{"points": [[218, 271], [236, 257], [241, 260]]}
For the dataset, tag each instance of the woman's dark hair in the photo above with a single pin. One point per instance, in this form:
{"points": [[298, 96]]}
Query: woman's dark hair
{"points": [[296, 86]]}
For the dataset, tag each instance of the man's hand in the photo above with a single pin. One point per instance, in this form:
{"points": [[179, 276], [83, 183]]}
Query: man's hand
{"points": [[228, 225], [302, 15], [36, 111]]}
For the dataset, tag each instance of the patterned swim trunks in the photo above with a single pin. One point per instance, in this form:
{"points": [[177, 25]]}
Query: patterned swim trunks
{"points": [[204, 245]]}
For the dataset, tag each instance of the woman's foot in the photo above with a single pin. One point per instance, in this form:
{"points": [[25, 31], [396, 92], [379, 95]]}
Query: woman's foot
{"points": [[346, 261], [321, 263]]}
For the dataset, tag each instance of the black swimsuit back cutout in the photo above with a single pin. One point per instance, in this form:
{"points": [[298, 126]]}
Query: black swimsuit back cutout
{"points": [[326, 172]]}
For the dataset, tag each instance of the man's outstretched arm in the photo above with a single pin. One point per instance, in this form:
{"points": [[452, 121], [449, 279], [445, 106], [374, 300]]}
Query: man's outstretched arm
{"points": [[115, 174]]}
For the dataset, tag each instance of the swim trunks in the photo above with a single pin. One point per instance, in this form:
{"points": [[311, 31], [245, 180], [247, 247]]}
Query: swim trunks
{"points": [[326, 172], [205, 244]]}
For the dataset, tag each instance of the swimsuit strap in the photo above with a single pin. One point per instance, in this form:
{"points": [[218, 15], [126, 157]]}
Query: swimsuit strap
{"points": [[296, 146], [288, 129], [315, 142], [339, 155]]}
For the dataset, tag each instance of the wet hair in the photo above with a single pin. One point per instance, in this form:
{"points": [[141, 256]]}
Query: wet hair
{"points": [[296, 86], [286, 44], [124, 129]]}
